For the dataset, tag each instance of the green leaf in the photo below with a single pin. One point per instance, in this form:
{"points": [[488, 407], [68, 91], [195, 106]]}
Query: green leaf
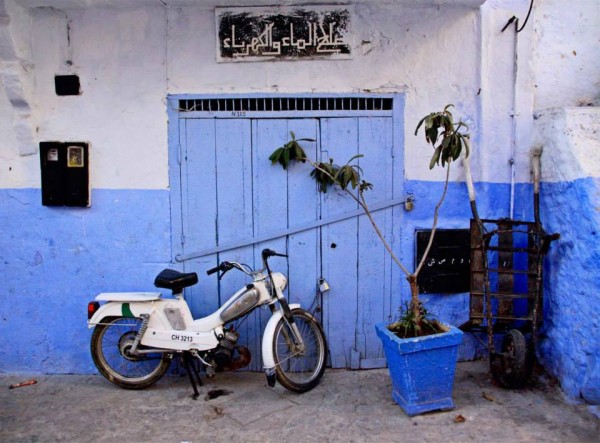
{"points": [[431, 134], [446, 143], [449, 114], [355, 178], [299, 153], [430, 120], [346, 176], [355, 157], [285, 159], [457, 147], [419, 124], [436, 157], [276, 155], [365, 185], [323, 173]]}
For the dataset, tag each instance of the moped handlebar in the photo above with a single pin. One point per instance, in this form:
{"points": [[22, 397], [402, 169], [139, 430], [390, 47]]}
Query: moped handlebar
{"points": [[227, 266], [223, 267], [266, 253], [213, 270]]}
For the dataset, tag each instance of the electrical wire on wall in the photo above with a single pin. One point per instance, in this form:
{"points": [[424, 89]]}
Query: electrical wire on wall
{"points": [[513, 18], [514, 112]]}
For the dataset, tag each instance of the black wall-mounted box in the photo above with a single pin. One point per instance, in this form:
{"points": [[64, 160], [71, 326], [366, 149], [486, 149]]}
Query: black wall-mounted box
{"points": [[65, 173], [448, 265]]}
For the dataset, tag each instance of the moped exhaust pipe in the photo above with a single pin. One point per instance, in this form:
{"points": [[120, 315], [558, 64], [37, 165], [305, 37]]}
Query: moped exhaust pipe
{"points": [[242, 360]]}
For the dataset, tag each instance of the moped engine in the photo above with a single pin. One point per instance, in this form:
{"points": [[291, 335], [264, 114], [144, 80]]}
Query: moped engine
{"points": [[228, 356]]}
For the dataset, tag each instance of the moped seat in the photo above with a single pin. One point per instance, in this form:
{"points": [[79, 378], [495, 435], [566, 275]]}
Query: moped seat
{"points": [[175, 280]]}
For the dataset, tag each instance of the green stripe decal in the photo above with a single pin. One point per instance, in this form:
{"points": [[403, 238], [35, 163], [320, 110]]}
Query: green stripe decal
{"points": [[126, 310]]}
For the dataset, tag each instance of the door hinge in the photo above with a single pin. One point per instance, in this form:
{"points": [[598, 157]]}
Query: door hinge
{"points": [[182, 239]]}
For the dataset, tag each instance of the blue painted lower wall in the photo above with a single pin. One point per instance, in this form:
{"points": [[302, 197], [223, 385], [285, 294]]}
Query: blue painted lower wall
{"points": [[570, 349], [54, 260]]}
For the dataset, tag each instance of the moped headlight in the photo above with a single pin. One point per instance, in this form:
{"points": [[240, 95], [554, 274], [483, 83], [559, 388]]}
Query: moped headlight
{"points": [[278, 280], [282, 282]]}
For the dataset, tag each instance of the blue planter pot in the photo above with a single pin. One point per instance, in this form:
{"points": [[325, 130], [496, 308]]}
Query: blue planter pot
{"points": [[422, 369]]}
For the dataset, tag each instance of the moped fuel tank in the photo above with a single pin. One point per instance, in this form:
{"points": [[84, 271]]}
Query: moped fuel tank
{"points": [[242, 304]]}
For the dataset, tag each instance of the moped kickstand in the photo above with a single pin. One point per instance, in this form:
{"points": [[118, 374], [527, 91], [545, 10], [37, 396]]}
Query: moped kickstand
{"points": [[193, 373]]}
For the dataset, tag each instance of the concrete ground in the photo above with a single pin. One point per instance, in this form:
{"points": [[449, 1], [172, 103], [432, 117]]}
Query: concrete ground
{"points": [[348, 406]]}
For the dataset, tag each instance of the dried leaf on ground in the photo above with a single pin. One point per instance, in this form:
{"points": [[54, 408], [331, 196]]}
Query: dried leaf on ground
{"points": [[24, 383], [487, 396]]}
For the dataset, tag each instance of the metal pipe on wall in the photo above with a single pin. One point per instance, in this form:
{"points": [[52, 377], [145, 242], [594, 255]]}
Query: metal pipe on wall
{"points": [[514, 115]]}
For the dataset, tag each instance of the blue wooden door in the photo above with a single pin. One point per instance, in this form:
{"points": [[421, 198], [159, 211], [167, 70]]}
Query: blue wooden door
{"points": [[364, 283], [231, 195]]}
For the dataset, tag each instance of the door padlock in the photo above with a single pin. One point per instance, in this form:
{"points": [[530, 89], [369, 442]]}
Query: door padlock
{"points": [[323, 285]]}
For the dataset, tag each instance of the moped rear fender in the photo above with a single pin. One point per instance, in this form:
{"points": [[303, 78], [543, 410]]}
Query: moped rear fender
{"points": [[267, 343], [130, 305]]}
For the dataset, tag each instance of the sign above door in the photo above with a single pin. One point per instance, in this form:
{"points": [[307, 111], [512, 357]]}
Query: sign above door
{"points": [[283, 33]]}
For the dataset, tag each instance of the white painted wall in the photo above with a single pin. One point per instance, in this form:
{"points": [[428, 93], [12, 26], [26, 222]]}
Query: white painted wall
{"points": [[570, 138], [129, 58], [567, 53], [567, 88]]}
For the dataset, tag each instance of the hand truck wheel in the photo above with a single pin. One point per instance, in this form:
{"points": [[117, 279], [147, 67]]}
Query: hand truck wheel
{"points": [[512, 367]]}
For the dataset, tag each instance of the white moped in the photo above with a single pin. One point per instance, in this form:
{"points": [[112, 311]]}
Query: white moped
{"points": [[136, 335]]}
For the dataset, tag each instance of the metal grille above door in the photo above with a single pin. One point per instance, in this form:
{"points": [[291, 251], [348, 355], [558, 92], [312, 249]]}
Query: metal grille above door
{"points": [[311, 104]]}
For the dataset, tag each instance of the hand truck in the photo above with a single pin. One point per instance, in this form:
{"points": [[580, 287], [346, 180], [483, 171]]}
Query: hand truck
{"points": [[506, 288]]}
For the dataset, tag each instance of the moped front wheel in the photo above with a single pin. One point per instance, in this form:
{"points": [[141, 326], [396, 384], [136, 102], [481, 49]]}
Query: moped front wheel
{"points": [[111, 346], [299, 366]]}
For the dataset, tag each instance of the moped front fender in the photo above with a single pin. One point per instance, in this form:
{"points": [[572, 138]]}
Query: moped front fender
{"points": [[267, 344]]}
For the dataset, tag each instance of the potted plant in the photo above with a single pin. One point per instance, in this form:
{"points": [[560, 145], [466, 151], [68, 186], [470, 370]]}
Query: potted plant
{"points": [[420, 351]]}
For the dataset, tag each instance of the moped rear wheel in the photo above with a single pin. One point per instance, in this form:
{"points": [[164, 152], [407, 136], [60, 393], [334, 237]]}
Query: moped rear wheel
{"points": [[298, 368], [111, 345]]}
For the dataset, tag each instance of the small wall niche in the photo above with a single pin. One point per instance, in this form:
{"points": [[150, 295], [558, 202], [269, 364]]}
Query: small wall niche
{"points": [[67, 85]]}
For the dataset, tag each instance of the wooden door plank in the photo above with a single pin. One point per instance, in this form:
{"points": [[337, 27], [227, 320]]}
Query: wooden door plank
{"points": [[303, 207], [270, 205], [374, 268], [339, 140], [199, 178], [398, 286], [235, 213]]}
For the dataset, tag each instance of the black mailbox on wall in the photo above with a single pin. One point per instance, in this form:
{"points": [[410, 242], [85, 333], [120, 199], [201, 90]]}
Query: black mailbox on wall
{"points": [[65, 173]]}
